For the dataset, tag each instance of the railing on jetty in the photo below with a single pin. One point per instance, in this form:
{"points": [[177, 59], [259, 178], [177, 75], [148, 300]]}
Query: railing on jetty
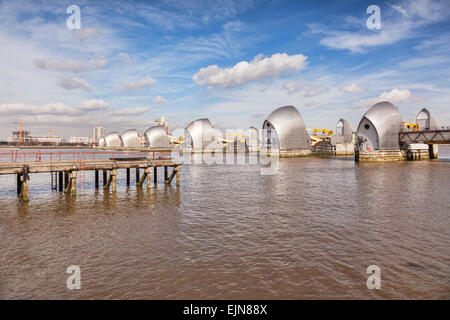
{"points": [[64, 165]]}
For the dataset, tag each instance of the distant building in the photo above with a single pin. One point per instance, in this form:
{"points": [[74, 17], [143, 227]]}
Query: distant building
{"points": [[28, 138], [98, 133], [79, 140], [161, 121]]}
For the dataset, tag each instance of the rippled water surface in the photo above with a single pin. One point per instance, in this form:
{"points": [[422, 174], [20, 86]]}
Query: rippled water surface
{"points": [[309, 231]]}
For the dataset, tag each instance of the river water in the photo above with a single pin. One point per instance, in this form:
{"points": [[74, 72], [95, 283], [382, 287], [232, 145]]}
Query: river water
{"points": [[308, 232]]}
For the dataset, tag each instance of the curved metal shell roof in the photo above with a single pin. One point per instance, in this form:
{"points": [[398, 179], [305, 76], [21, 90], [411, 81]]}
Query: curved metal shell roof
{"points": [[157, 137], [344, 129], [289, 127], [387, 122], [113, 139], [200, 132], [130, 139], [426, 120], [102, 142]]}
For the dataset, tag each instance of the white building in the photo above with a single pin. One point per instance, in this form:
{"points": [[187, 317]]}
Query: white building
{"points": [[79, 140], [98, 133]]}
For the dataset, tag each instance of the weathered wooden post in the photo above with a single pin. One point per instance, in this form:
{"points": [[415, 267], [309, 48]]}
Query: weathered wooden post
{"points": [[155, 175], [128, 177], [66, 181], [113, 179], [149, 174], [73, 182], [25, 189], [165, 173], [137, 176], [105, 177], [178, 168], [96, 179], [60, 181], [19, 184]]}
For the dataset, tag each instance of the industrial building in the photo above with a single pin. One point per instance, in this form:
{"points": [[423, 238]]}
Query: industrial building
{"points": [[342, 141], [130, 139], [200, 135], [379, 128], [157, 137], [426, 120], [284, 129], [98, 133], [113, 139]]}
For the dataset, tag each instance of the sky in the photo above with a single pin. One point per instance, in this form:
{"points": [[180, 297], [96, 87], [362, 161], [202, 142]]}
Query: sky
{"points": [[232, 61]]}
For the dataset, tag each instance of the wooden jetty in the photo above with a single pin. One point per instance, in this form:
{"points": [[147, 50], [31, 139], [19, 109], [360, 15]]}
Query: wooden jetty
{"points": [[64, 172]]}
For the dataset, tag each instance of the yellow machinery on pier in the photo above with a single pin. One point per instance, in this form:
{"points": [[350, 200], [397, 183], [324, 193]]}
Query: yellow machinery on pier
{"points": [[411, 125]]}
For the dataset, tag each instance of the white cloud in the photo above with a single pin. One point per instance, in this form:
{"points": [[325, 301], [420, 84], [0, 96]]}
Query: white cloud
{"points": [[414, 15], [159, 99], [74, 83], [132, 111], [86, 33], [307, 89], [399, 9], [93, 105], [393, 96], [125, 56], [130, 85], [69, 65], [351, 88], [243, 72]]}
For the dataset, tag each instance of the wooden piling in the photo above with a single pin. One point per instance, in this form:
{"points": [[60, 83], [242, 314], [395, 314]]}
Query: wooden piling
{"points": [[137, 176], [166, 174], [19, 184], [113, 174], [128, 177], [24, 192], [174, 171], [66, 181], [105, 177], [155, 175], [73, 182], [149, 174], [178, 168], [60, 181], [96, 179]]}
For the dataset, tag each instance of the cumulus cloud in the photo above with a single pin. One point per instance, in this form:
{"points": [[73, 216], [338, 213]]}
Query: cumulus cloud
{"points": [[86, 33], [131, 111], [47, 109], [130, 85], [351, 88], [93, 105], [125, 56], [159, 99], [74, 83], [243, 72], [414, 14], [307, 89], [393, 96], [69, 65]]}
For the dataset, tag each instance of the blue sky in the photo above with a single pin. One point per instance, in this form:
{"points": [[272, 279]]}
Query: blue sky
{"points": [[231, 61]]}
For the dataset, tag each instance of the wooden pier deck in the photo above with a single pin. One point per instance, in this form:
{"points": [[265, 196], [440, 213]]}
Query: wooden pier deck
{"points": [[64, 172]]}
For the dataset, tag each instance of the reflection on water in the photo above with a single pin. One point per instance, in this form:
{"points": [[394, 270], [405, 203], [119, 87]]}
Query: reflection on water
{"points": [[227, 232]]}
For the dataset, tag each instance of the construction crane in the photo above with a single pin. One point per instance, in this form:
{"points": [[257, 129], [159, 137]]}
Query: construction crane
{"points": [[21, 123]]}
